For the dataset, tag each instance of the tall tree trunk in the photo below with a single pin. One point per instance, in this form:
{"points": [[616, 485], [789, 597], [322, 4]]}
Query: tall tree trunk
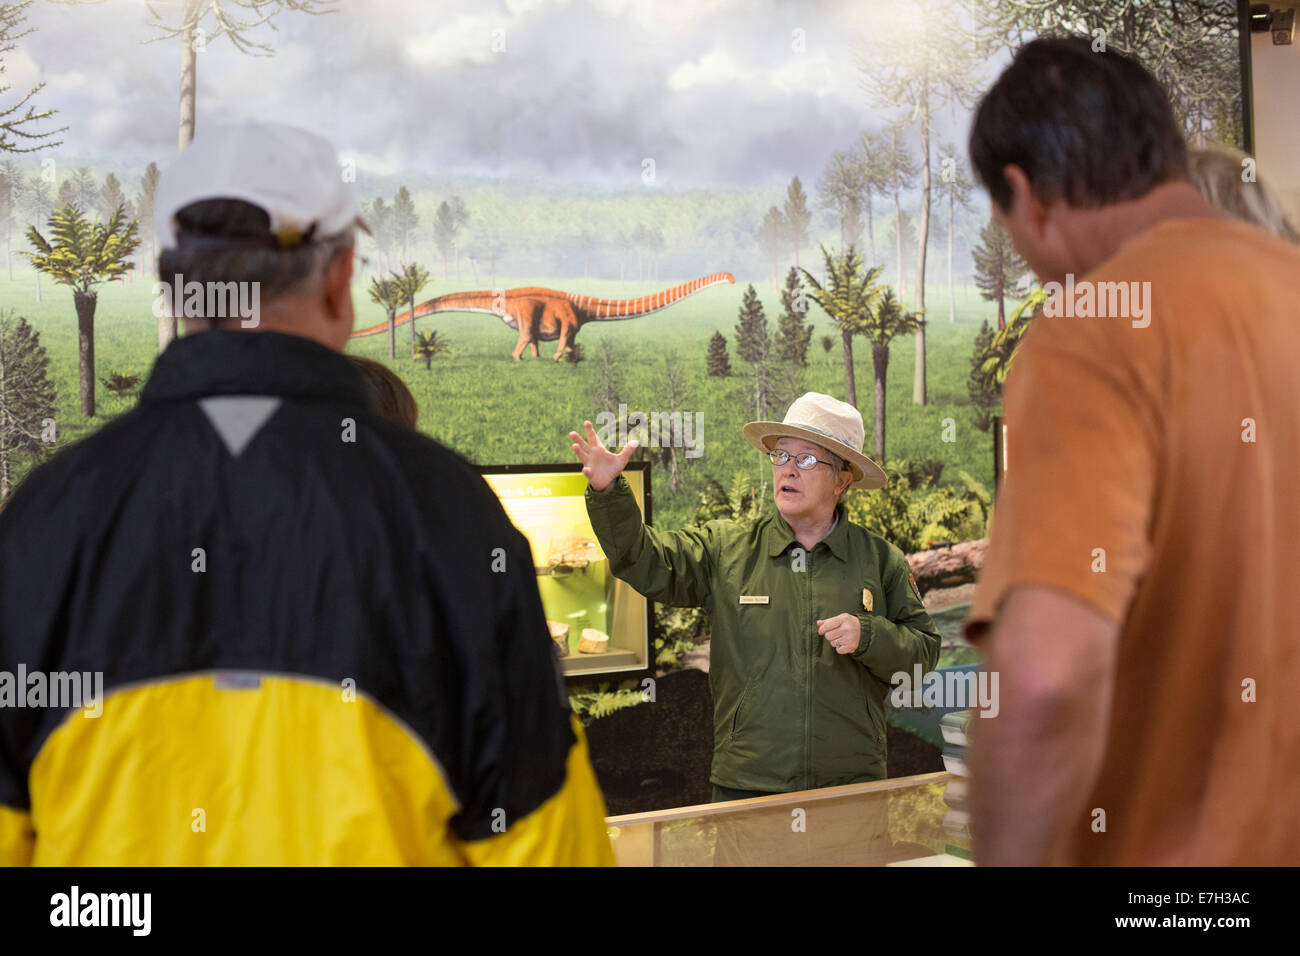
{"points": [[880, 362], [189, 78], [185, 131], [1002, 308], [412, 324], [392, 334], [166, 332], [850, 385], [871, 232], [4, 405], [919, 393], [952, 296], [898, 240], [85, 303]]}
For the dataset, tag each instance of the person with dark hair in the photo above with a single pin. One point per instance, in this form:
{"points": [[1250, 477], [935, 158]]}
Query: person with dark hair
{"points": [[1133, 600], [314, 635], [391, 396]]}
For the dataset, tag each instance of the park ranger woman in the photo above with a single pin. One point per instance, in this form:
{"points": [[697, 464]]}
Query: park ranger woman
{"points": [[812, 615]]}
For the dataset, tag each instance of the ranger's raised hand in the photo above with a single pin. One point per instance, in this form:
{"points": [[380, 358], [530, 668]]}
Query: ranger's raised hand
{"points": [[599, 464]]}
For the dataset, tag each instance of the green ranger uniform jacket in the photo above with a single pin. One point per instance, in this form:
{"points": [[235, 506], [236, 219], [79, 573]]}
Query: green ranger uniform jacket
{"points": [[789, 712]]}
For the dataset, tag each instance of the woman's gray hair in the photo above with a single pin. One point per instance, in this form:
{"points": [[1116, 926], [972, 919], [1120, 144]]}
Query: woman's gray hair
{"points": [[1219, 174], [840, 465]]}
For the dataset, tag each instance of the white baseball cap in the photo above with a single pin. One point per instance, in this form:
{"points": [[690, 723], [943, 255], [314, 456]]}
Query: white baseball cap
{"points": [[291, 174]]}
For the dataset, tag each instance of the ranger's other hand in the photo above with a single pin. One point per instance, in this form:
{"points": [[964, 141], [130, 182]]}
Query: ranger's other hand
{"points": [[844, 631]]}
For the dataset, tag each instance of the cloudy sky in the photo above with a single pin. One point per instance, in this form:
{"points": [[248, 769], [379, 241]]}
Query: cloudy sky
{"points": [[561, 91]]}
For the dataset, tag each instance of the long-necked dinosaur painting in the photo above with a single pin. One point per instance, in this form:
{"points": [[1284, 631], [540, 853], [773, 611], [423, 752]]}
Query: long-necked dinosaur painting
{"points": [[546, 315]]}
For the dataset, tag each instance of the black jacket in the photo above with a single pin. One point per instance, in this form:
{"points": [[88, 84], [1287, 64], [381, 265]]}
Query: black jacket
{"points": [[293, 604]]}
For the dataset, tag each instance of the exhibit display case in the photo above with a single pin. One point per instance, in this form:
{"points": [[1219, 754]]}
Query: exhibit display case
{"points": [[905, 821], [599, 625]]}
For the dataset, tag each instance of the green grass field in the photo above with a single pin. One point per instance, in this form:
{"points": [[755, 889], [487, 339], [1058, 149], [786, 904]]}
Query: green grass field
{"points": [[496, 411]]}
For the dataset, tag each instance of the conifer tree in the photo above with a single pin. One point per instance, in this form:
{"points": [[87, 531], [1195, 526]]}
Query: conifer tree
{"points": [[792, 336], [982, 392], [719, 363], [753, 343], [26, 398], [998, 268]]}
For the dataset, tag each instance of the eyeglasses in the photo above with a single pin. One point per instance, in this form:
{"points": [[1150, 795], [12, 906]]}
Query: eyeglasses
{"points": [[802, 462]]}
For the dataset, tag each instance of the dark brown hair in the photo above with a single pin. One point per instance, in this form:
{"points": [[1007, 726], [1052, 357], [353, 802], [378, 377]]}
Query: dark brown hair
{"points": [[391, 396], [1089, 128]]}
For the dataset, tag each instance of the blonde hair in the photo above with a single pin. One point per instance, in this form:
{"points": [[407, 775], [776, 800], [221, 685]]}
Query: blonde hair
{"points": [[1217, 172]]}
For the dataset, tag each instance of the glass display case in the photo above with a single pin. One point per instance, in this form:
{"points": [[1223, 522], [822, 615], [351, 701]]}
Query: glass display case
{"points": [[599, 624], [905, 821]]}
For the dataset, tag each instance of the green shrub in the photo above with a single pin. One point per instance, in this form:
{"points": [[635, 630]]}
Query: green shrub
{"points": [[913, 515]]}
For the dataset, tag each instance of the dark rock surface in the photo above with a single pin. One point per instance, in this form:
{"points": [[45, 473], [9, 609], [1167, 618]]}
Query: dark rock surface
{"points": [[656, 755]]}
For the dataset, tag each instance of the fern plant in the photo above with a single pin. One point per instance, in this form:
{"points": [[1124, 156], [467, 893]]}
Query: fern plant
{"points": [[591, 705]]}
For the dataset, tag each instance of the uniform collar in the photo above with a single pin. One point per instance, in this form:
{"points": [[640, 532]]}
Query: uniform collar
{"points": [[778, 536], [225, 362]]}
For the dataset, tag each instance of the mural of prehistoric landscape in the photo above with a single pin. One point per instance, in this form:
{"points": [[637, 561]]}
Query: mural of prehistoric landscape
{"points": [[628, 211]]}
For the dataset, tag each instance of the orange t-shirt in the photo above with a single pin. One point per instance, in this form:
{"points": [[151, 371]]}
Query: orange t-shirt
{"points": [[1167, 445]]}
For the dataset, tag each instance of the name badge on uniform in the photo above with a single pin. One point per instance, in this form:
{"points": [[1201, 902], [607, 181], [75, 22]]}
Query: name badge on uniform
{"points": [[754, 599], [866, 600]]}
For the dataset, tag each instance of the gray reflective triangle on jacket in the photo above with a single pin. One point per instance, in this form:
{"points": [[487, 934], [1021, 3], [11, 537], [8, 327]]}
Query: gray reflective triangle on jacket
{"points": [[237, 418]]}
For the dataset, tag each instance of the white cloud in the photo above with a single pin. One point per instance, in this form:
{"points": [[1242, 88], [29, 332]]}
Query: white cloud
{"points": [[465, 39], [714, 68], [108, 124], [69, 82], [805, 73], [798, 73], [670, 16], [471, 37], [21, 72], [389, 163]]}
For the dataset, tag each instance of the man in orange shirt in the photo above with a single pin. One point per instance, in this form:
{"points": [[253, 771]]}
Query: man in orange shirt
{"points": [[1136, 600]]}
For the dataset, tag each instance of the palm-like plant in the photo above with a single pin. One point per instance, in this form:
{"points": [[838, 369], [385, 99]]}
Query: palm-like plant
{"points": [[120, 384], [888, 319], [388, 293], [849, 296], [994, 364], [862, 306], [428, 347], [412, 279], [84, 254]]}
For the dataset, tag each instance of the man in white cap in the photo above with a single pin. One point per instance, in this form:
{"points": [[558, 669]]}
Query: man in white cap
{"points": [[812, 615], [301, 662]]}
